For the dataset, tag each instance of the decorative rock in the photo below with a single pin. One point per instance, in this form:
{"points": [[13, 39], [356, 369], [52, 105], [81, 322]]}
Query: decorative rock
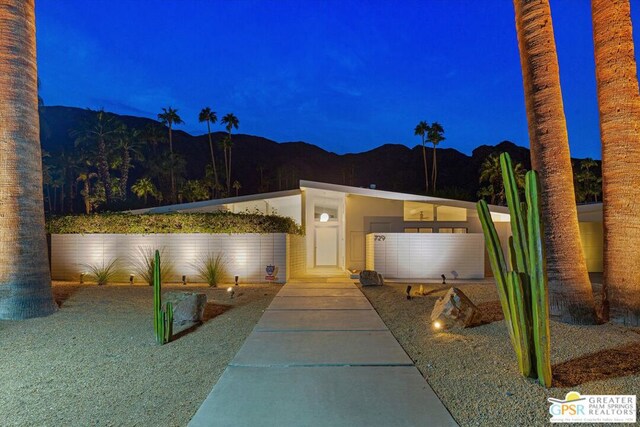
{"points": [[371, 278], [188, 307], [455, 309]]}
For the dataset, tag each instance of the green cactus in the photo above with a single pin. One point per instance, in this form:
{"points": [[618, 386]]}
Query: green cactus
{"points": [[522, 291], [162, 318]]}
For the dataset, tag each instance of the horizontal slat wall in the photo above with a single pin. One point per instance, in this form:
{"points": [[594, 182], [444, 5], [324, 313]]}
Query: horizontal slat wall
{"points": [[245, 255], [426, 256]]}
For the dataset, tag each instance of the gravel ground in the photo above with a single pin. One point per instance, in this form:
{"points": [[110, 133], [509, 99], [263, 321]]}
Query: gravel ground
{"points": [[95, 362], [474, 371]]}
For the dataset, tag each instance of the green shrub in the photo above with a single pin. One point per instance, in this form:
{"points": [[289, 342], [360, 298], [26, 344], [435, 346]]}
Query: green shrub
{"points": [[144, 263], [211, 268], [103, 274], [214, 222]]}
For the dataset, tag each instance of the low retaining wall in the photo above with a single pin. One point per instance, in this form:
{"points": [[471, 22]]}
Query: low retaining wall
{"points": [[245, 255], [426, 256]]}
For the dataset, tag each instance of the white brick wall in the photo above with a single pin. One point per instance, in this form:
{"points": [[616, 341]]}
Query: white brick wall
{"points": [[426, 256], [245, 255]]}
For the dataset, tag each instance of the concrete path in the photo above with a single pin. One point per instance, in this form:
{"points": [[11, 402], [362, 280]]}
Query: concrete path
{"points": [[321, 356]]}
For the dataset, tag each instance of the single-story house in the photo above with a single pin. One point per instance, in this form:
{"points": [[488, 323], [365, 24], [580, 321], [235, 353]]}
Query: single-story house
{"points": [[402, 236]]}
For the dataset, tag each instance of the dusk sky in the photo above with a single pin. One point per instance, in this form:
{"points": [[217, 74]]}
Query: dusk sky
{"points": [[345, 75]]}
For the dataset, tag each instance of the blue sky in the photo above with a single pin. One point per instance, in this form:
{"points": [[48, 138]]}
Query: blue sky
{"points": [[345, 75]]}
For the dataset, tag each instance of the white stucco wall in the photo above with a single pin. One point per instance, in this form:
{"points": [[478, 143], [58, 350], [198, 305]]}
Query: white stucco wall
{"points": [[426, 256], [245, 255]]}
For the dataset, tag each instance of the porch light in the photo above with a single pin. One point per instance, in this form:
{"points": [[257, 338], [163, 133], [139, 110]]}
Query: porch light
{"points": [[324, 217]]}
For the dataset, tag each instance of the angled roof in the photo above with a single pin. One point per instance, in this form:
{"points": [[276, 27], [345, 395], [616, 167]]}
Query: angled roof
{"points": [[323, 186], [391, 195]]}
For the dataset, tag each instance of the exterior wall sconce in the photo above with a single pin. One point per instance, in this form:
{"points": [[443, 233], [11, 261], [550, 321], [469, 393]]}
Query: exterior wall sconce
{"points": [[324, 217], [131, 279]]}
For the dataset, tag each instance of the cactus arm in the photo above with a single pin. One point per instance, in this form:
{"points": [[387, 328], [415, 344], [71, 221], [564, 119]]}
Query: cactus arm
{"points": [[521, 329], [539, 288], [168, 326], [496, 259], [518, 228]]}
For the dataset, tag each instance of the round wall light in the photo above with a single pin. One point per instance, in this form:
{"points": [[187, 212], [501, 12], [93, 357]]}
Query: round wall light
{"points": [[324, 217]]}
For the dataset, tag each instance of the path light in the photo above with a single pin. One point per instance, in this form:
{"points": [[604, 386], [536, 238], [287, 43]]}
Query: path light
{"points": [[231, 292], [131, 279], [437, 325], [409, 292], [444, 279], [82, 277], [237, 280], [324, 217], [184, 279]]}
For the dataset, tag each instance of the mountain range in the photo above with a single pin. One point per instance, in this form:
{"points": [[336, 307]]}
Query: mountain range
{"points": [[263, 165]]}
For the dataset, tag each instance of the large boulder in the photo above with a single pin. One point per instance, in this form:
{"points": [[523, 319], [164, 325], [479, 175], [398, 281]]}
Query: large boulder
{"points": [[455, 309], [188, 307], [371, 278]]}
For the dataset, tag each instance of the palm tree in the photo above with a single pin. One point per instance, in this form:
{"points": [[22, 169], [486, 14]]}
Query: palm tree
{"points": [[230, 121], [491, 173], [100, 130], [237, 186], [435, 136], [570, 295], [25, 282], [206, 115], [143, 188], [130, 142], [85, 178], [169, 117], [422, 130], [619, 105], [588, 184]]}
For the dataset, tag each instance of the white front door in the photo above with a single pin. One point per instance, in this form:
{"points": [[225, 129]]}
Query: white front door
{"points": [[326, 246]]}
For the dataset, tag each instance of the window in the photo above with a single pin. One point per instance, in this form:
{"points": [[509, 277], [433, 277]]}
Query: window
{"points": [[454, 230], [418, 211], [418, 230], [325, 214], [450, 213]]}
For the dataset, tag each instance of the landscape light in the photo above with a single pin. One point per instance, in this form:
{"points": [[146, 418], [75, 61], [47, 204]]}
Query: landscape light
{"points": [[409, 292], [184, 279], [237, 280], [324, 217], [82, 277], [231, 292], [131, 279], [437, 325]]}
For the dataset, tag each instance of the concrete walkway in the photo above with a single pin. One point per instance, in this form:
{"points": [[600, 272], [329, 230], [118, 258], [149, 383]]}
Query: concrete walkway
{"points": [[321, 356]]}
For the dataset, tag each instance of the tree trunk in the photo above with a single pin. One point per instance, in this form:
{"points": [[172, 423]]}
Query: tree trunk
{"points": [[124, 174], [619, 105], [434, 170], [173, 178], [426, 172], [229, 172], [25, 281], [213, 159], [570, 295], [103, 170]]}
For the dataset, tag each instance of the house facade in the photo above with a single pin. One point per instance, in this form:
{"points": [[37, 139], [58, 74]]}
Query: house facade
{"points": [[403, 236]]}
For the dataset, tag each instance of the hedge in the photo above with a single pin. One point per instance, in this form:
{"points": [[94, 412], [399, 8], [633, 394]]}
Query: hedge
{"points": [[215, 222]]}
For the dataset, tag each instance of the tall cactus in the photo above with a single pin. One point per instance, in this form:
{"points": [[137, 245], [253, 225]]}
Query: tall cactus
{"points": [[162, 318], [522, 291]]}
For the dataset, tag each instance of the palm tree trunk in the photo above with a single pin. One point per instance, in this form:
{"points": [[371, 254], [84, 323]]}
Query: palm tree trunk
{"points": [[103, 170], [173, 178], [124, 174], [426, 172], [434, 170], [570, 295], [25, 281], [229, 176], [213, 159], [619, 105]]}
